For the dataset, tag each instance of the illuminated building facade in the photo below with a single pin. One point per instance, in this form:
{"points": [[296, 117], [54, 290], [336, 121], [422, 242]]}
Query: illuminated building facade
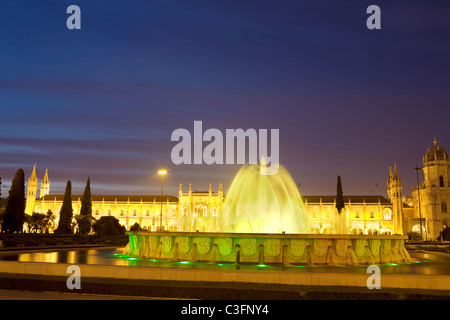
{"points": [[193, 210], [202, 210]]}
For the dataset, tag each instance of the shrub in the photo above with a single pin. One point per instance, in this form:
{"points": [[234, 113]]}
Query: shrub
{"points": [[414, 236], [84, 223], [135, 227], [108, 226]]}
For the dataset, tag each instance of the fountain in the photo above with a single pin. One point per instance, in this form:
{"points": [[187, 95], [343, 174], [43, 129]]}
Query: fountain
{"points": [[263, 221], [258, 203]]}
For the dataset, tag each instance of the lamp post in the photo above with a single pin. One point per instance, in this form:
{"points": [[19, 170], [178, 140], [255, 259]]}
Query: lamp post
{"points": [[162, 172], [417, 169]]}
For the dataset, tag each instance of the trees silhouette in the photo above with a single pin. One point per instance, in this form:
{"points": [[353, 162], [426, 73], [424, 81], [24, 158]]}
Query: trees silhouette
{"points": [[65, 225], [339, 196], [15, 208], [85, 218]]}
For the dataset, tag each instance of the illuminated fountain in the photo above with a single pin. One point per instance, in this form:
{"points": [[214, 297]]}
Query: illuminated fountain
{"points": [[263, 221], [258, 203]]}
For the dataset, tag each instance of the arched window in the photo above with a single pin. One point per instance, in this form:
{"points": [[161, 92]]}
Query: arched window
{"points": [[387, 214], [416, 228], [147, 213], [134, 212], [372, 215], [109, 212], [205, 211], [215, 212], [441, 181], [444, 207]]}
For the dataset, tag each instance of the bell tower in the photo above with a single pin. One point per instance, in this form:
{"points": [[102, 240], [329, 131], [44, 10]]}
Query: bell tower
{"points": [[31, 192], [395, 196], [45, 185], [436, 165]]}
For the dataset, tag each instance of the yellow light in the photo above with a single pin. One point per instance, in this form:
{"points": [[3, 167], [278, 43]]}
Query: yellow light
{"points": [[163, 171]]}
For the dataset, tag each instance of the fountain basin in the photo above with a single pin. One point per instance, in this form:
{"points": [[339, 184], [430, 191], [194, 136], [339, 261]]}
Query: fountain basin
{"points": [[268, 248]]}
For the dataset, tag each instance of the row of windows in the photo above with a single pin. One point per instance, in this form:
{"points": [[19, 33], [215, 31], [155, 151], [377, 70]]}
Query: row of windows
{"points": [[203, 211], [386, 215], [370, 232], [355, 231], [122, 212], [371, 216], [199, 210]]}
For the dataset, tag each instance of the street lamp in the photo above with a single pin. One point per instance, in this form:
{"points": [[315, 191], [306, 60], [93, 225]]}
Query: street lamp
{"points": [[162, 172], [417, 169]]}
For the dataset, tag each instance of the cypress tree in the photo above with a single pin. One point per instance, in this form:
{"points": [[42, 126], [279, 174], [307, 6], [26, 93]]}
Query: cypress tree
{"points": [[66, 213], [86, 201], [339, 196], [15, 208], [85, 218]]}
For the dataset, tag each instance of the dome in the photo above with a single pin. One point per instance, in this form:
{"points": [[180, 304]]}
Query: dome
{"points": [[436, 153]]}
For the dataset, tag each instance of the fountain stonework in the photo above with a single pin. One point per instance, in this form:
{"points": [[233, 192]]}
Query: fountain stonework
{"points": [[264, 222], [285, 249]]}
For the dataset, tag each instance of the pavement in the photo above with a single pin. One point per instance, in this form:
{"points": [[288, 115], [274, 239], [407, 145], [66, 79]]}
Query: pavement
{"points": [[46, 295]]}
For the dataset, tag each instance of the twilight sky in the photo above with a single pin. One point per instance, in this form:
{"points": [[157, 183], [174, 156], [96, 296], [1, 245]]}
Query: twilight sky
{"points": [[103, 101]]}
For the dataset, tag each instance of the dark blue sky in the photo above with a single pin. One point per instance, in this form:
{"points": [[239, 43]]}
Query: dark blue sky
{"points": [[103, 101]]}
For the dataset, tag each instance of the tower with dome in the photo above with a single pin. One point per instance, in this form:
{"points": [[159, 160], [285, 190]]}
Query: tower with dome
{"points": [[433, 194]]}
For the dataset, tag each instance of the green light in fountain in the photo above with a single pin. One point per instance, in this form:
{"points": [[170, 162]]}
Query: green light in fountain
{"points": [[258, 203]]}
